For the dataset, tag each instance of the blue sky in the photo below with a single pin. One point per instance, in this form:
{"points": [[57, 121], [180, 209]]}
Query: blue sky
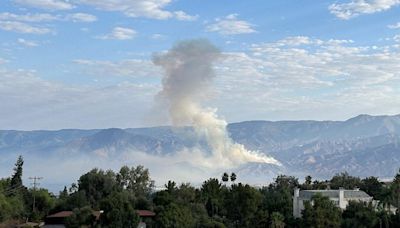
{"points": [[87, 63]]}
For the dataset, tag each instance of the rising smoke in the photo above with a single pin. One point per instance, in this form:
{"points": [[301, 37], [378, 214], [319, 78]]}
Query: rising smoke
{"points": [[188, 76]]}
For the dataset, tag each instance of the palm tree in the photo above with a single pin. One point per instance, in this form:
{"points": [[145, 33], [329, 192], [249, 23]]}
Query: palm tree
{"points": [[233, 177], [386, 198], [225, 177], [277, 220]]}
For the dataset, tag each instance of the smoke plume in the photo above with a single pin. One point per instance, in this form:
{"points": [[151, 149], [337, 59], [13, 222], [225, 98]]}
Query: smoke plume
{"points": [[188, 76]]}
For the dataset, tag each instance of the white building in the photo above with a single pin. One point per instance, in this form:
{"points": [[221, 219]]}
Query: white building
{"points": [[340, 197]]}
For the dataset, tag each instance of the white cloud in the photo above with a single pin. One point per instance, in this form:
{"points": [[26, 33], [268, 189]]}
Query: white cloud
{"points": [[45, 17], [182, 16], [302, 77], [394, 26], [157, 36], [27, 43], [21, 27], [24, 97], [119, 33], [47, 4], [230, 25], [37, 17], [81, 17], [139, 8], [292, 78], [355, 8], [133, 68]]}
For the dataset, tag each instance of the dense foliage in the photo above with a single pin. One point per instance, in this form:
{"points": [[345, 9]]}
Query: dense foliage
{"points": [[216, 203]]}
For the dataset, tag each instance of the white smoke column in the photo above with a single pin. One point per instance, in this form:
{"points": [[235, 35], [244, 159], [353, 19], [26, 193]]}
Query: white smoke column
{"points": [[188, 75]]}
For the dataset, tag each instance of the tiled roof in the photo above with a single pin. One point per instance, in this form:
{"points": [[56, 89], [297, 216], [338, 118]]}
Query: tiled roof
{"points": [[61, 214], [146, 213], [65, 214]]}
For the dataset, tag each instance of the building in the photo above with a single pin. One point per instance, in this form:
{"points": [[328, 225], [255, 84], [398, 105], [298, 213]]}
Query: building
{"points": [[340, 197], [146, 217], [58, 219]]}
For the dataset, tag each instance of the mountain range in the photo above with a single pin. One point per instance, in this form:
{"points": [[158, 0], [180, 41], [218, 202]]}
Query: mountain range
{"points": [[363, 146]]}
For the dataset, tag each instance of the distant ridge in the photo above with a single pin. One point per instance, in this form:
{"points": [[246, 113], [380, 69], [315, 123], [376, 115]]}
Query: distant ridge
{"points": [[364, 145]]}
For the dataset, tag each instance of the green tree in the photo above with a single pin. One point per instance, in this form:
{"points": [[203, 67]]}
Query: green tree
{"points": [[16, 179], [372, 187], [174, 216], [359, 214], [63, 194], [261, 219], [81, 217], [11, 207], [119, 211], [277, 220], [185, 194], [307, 183], [278, 196], [233, 177], [395, 219], [171, 187], [384, 219], [308, 180], [395, 189], [44, 202], [385, 199], [136, 179], [97, 185], [225, 177], [242, 203], [344, 180], [212, 194], [321, 213]]}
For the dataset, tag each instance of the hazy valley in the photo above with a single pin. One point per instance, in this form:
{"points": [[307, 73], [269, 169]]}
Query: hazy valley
{"points": [[363, 146]]}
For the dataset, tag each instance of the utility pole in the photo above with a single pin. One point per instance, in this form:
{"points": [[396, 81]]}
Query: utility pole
{"points": [[35, 184]]}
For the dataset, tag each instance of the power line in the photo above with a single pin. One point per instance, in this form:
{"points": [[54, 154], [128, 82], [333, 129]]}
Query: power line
{"points": [[35, 183]]}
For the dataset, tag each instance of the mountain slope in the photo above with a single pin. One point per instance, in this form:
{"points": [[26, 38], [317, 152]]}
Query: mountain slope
{"points": [[364, 145]]}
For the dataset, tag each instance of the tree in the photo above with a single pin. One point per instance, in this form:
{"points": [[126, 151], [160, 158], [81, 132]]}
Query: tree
{"points": [[321, 212], [261, 219], [97, 185], [359, 214], [171, 187], [16, 179], [63, 194], [308, 180], [384, 219], [242, 203], [344, 180], [174, 216], [119, 211], [233, 177], [277, 220], [395, 189], [395, 219], [385, 199], [136, 179], [186, 194], [212, 194], [11, 207], [225, 177], [372, 187], [44, 202], [81, 217], [307, 183], [277, 197]]}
